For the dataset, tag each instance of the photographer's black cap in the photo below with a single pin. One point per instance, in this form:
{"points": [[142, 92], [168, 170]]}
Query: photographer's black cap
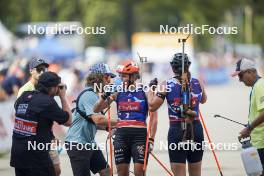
{"points": [[49, 79]]}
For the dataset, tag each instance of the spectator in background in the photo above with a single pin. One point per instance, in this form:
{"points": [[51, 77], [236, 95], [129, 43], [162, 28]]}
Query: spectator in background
{"points": [[3, 95], [36, 68], [11, 84]]}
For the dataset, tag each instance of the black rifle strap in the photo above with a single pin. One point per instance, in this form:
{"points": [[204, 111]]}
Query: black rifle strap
{"points": [[83, 114]]}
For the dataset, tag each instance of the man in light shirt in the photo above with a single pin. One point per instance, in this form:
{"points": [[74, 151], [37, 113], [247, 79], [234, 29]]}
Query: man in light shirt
{"points": [[36, 68], [247, 73]]}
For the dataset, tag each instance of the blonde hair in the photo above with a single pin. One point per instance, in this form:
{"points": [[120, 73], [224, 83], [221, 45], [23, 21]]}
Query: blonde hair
{"points": [[94, 78]]}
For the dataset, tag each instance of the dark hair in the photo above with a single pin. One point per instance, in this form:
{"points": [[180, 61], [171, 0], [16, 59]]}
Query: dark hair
{"points": [[43, 89], [48, 80]]}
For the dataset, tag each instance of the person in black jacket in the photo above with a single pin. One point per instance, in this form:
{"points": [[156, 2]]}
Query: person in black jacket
{"points": [[35, 113]]}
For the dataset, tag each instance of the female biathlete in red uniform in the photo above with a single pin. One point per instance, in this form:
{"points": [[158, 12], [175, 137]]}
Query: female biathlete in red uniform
{"points": [[129, 140]]}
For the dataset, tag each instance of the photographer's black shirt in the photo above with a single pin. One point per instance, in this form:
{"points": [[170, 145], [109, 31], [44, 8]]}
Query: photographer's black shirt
{"points": [[32, 134]]}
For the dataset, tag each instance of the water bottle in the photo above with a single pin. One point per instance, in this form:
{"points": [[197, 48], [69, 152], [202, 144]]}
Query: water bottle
{"points": [[250, 158]]}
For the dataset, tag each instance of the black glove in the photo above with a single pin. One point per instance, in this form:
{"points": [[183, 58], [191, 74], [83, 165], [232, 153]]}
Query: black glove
{"points": [[153, 83], [151, 145], [106, 95], [110, 90]]}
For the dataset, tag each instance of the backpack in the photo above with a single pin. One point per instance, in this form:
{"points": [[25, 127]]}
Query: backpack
{"points": [[81, 113]]}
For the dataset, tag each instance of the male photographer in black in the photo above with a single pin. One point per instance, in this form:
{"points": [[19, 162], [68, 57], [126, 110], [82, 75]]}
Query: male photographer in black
{"points": [[35, 113]]}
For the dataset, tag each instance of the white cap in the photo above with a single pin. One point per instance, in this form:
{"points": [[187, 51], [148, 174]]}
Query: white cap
{"points": [[242, 65]]}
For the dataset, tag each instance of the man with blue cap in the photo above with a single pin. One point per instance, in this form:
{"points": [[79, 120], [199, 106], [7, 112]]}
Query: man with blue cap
{"points": [[85, 123]]}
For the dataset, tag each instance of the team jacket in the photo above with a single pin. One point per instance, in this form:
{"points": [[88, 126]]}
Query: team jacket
{"points": [[174, 98], [132, 108]]}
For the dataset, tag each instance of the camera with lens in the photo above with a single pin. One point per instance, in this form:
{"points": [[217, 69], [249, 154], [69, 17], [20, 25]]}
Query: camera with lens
{"points": [[62, 87]]}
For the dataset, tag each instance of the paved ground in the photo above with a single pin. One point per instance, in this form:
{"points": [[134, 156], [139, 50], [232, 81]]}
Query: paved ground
{"points": [[229, 100], [230, 161]]}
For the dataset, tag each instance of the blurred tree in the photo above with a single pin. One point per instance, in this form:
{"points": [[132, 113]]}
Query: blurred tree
{"points": [[124, 17], [258, 21]]}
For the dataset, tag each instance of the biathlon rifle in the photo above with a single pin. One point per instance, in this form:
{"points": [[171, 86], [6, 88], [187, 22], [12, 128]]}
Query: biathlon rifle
{"points": [[187, 126], [185, 90]]}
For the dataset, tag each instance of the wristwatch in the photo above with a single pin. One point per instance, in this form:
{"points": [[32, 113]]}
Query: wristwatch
{"points": [[249, 126]]}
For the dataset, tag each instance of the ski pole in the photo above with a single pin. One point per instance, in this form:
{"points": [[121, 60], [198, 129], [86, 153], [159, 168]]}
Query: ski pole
{"points": [[110, 142], [162, 165], [147, 145], [209, 139]]}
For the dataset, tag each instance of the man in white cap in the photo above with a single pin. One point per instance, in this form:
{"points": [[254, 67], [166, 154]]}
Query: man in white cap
{"points": [[247, 73]]}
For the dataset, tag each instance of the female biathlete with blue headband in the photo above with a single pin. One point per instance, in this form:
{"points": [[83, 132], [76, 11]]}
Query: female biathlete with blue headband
{"points": [[131, 133]]}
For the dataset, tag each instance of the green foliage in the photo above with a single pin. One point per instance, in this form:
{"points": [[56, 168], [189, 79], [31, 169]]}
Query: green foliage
{"points": [[123, 17]]}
